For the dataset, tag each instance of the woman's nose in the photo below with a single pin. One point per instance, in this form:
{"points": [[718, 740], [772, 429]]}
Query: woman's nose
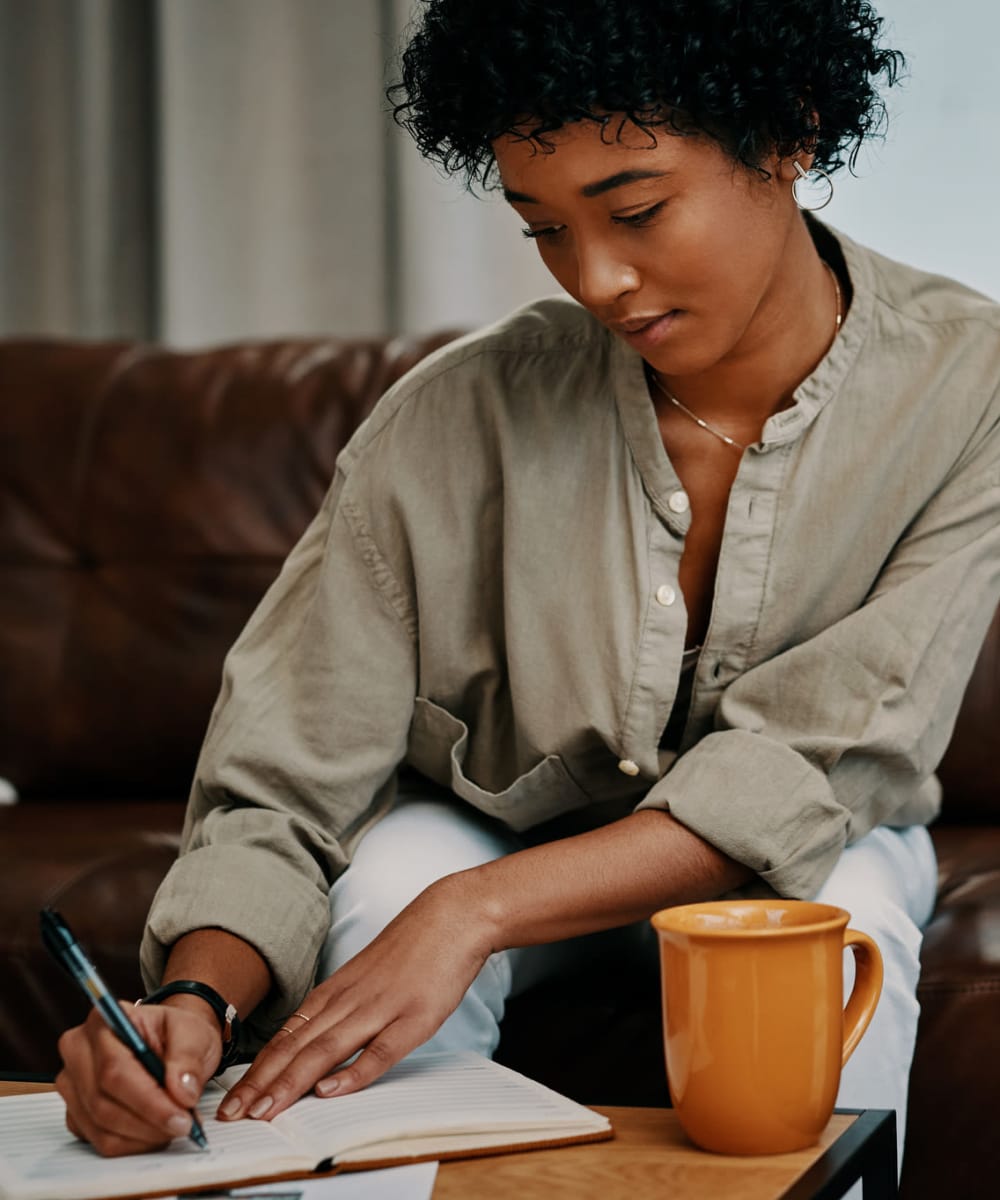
{"points": [[602, 278]]}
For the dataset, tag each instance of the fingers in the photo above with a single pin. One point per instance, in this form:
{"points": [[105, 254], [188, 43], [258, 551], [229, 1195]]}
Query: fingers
{"points": [[381, 1004], [109, 1141], [378, 1056], [293, 1061], [105, 1104], [191, 1048], [112, 1101]]}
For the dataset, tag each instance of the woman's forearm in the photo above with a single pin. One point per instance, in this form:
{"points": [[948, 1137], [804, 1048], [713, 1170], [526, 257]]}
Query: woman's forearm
{"points": [[610, 876], [606, 877], [223, 961]]}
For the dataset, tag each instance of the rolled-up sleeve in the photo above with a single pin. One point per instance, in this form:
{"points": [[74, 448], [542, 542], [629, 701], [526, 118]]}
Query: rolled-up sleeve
{"points": [[300, 755], [830, 738]]}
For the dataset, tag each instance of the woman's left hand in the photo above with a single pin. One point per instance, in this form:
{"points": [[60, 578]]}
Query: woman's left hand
{"points": [[386, 1001]]}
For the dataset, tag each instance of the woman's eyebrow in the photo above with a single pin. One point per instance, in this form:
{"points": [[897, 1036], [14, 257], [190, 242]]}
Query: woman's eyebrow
{"points": [[589, 190], [614, 181]]}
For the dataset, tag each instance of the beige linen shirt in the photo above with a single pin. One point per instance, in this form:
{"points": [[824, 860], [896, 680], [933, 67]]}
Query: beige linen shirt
{"points": [[490, 595]]}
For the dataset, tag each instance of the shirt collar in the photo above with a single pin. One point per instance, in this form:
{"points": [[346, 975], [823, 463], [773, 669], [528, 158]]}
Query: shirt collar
{"points": [[819, 388]]}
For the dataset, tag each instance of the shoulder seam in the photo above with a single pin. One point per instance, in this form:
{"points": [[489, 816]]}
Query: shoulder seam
{"points": [[975, 318], [405, 395]]}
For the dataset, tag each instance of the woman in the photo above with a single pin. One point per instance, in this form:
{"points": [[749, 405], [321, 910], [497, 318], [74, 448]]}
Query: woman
{"points": [[664, 593]]}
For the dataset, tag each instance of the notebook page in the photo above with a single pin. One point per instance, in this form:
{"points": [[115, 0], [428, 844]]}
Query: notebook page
{"points": [[453, 1093], [40, 1158]]}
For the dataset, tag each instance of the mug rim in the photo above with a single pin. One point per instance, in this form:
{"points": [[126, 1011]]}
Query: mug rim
{"points": [[679, 919]]}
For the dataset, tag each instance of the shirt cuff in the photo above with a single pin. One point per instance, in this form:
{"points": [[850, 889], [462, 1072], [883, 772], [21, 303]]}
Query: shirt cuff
{"points": [[761, 803], [250, 893]]}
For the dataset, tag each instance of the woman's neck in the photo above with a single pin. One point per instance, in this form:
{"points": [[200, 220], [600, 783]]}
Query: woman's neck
{"points": [[790, 334]]}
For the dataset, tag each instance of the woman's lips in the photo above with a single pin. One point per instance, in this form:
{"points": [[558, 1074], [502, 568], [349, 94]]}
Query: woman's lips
{"points": [[656, 331]]}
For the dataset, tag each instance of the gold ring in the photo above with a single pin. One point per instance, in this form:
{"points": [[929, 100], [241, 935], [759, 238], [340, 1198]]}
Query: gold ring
{"points": [[302, 1015], [284, 1029]]}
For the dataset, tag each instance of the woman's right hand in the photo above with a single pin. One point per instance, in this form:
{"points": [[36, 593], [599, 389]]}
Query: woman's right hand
{"points": [[112, 1101]]}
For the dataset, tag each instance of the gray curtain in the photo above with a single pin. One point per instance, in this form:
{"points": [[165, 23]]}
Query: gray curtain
{"points": [[274, 148], [78, 153], [195, 171]]}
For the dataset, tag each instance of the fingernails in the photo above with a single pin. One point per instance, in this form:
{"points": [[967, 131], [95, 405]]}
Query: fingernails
{"points": [[178, 1126], [260, 1107], [190, 1085], [232, 1106], [326, 1087]]}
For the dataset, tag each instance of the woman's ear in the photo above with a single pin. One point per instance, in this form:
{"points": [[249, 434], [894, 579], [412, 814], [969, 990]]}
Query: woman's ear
{"points": [[803, 153], [785, 168]]}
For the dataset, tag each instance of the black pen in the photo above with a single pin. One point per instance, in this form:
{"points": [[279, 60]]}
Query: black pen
{"points": [[60, 942]]}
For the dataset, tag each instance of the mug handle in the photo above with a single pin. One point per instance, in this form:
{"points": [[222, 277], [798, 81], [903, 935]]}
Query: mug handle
{"points": [[867, 988]]}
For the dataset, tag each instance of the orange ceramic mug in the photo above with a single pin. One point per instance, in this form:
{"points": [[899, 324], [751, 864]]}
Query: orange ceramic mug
{"points": [[753, 1018]]}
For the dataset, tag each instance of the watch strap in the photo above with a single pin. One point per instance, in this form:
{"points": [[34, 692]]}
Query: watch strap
{"points": [[229, 1022]]}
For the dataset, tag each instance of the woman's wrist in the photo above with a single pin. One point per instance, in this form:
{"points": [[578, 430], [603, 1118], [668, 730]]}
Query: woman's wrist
{"points": [[193, 1004], [469, 896], [225, 1014]]}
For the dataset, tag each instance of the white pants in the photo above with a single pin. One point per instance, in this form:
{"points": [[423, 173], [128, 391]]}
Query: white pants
{"points": [[887, 882]]}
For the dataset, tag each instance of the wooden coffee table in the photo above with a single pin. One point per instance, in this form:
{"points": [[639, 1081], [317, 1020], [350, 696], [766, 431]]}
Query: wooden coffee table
{"points": [[650, 1156]]}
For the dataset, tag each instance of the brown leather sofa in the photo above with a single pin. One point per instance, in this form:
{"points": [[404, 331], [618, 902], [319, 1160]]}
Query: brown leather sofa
{"points": [[147, 498]]}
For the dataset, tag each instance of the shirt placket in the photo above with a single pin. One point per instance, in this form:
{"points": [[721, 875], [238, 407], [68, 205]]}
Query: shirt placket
{"points": [[742, 571], [737, 609], [660, 647]]}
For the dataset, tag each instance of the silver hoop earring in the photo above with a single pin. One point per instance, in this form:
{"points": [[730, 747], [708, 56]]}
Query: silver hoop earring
{"points": [[813, 189]]}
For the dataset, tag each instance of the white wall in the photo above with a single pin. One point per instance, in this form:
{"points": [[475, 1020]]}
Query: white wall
{"points": [[926, 195], [930, 193]]}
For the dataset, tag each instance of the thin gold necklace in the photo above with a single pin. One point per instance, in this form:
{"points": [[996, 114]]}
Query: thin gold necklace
{"points": [[706, 425], [723, 437]]}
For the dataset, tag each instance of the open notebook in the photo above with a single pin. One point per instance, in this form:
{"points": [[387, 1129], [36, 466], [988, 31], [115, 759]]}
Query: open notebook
{"points": [[432, 1106]]}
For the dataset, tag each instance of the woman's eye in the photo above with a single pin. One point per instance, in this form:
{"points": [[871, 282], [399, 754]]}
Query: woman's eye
{"points": [[550, 232], [640, 218]]}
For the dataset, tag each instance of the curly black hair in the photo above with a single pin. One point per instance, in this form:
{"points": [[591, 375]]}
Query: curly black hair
{"points": [[752, 74]]}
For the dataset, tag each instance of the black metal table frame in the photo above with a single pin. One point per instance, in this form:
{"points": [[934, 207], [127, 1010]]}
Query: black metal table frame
{"points": [[866, 1150]]}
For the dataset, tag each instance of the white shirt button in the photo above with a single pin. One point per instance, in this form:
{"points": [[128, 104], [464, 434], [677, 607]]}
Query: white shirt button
{"points": [[665, 595], [678, 502], [628, 767]]}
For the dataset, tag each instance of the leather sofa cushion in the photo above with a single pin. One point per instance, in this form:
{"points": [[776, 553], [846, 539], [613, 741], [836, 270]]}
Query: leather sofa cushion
{"points": [[147, 499], [99, 864]]}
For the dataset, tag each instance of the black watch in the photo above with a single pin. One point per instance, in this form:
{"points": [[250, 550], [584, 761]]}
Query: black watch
{"points": [[229, 1022]]}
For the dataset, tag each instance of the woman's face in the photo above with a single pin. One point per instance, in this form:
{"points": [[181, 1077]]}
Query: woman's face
{"points": [[682, 252]]}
